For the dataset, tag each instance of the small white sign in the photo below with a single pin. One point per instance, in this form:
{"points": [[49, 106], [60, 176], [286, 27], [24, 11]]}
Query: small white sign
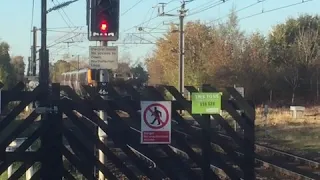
{"points": [[103, 57], [155, 122]]}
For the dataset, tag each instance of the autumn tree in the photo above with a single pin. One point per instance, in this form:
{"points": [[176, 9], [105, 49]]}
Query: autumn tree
{"points": [[165, 58], [227, 53], [268, 67], [155, 71]]}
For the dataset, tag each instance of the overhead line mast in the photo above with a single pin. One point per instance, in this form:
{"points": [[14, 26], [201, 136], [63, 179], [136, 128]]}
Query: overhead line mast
{"points": [[181, 15]]}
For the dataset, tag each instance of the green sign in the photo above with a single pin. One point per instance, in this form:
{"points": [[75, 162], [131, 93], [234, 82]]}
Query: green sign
{"points": [[206, 103]]}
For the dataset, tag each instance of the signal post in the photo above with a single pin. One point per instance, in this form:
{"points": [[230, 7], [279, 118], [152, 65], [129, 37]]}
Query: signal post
{"points": [[103, 26]]}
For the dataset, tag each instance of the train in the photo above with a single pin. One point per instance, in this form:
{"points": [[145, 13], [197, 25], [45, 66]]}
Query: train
{"points": [[87, 76]]}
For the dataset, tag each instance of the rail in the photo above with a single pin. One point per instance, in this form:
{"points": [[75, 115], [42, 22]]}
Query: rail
{"points": [[278, 166]]}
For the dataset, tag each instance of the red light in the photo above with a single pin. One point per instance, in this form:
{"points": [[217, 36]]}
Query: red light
{"points": [[103, 26]]}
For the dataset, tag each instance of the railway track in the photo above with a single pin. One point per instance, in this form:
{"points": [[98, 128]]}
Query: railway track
{"points": [[283, 163]]}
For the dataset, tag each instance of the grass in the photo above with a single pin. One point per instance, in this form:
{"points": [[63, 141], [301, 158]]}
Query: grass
{"points": [[281, 131]]}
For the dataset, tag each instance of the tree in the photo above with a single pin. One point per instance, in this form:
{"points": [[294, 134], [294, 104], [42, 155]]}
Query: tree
{"points": [[165, 58], [60, 67], [293, 51], [140, 73], [227, 51], [7, 72], [19, 67], [155, 71]]}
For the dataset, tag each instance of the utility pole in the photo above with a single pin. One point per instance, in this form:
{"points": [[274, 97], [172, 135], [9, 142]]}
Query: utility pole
{"points": [[44, 59], [102, 89], [34, 52], [182, 14], [181, 44]]}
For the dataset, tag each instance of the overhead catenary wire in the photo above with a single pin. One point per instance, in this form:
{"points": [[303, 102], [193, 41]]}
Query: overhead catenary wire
{"points": [[66, 27], [275, 9], [70, 32], [157, 26], [154, 10], [238, 10], [59, 42], [136, 4], [205, 5], [70, 23], [63, 11], [207, 8], [147, 21]]}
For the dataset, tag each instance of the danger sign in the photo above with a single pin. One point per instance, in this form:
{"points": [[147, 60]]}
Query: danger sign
{"points": [[155, 122]]}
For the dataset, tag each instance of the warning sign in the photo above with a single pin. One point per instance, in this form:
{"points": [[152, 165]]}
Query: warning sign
{"points": [[155, 122]]}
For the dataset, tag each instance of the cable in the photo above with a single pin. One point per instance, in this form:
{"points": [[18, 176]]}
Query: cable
{"points": [[66, 27], [66, 34], [207, 8], [275, 9], [55, 42], [137, 3], [87, 32], [244, 8], [152, 18], [205, 4], [61, 14], [69, 32]]}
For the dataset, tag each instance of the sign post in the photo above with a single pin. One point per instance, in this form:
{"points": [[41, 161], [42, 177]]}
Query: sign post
{"points": [[206, 103], [155, 122], [103, 57]]}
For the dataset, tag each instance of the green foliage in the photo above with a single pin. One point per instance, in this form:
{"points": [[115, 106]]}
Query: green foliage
{"points": [[18, 67], [139, 72], [8, 74]]}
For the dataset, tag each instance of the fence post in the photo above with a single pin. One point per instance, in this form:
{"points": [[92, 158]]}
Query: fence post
{"points": [[102, 90], [249, 134], [206, 143], [51, 140], [206, 147]]}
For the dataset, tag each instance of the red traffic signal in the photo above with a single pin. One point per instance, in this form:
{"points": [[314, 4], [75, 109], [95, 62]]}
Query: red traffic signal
{"points": [[104, 26]]}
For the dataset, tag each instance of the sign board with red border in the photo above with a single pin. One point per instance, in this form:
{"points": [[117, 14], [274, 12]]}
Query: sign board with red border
{"points": [[155, 122]]}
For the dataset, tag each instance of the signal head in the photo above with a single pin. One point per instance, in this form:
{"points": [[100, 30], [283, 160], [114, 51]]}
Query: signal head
{"points": [[103, 26]]}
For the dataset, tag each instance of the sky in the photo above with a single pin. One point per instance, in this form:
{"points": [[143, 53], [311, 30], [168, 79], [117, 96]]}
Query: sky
{"points": [[67, 27]]}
